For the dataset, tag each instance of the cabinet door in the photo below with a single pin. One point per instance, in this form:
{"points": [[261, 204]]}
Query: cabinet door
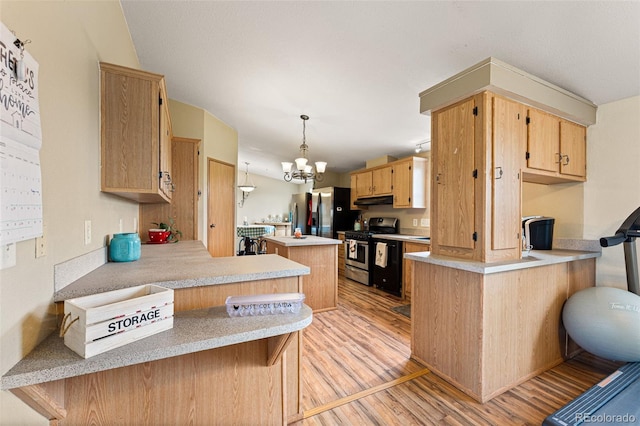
{"points": [[454, 187], [573, 147], [543, 141], [407, 267], [364, 184], [167, 183], [509, 135], [402, 184], [382, 181]]}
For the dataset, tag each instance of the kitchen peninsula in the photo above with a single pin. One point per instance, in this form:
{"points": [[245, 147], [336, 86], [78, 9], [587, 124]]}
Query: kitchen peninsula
{"points": [[321, 255], [487, 327], [208, 366]]}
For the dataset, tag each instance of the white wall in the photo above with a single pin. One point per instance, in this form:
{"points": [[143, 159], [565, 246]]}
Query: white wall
{"points": [[68, 39], [271, 197], [612, 190]]}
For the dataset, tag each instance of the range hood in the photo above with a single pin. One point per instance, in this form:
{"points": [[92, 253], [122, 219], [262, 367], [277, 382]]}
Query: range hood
{"points": [[374, 201]]}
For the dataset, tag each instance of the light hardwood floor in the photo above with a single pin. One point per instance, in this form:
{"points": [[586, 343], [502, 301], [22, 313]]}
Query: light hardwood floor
{"points": [[357, 371]]}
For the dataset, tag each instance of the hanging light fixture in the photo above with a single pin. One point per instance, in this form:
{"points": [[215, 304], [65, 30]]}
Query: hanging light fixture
{"points": [[303, 170], [247, 186]]}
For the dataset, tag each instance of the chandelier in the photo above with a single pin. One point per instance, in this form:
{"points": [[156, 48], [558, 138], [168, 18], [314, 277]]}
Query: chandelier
{"points": [[247, 186], [303, 170]]}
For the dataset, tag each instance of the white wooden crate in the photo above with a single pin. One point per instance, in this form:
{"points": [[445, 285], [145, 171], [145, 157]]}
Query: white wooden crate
{"points": [[101, 322]]}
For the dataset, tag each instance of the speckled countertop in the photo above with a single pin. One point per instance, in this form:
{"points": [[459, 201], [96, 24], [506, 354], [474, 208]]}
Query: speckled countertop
{"points": [[306, 240], [535, 258], [181, 265], [192, 331]]}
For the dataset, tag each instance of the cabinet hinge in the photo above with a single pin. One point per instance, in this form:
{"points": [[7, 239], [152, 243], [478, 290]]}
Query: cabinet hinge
{"points": [[528, 120], [475, 110], [475, 174], [527, 155], [160, 100], [475, 236]]}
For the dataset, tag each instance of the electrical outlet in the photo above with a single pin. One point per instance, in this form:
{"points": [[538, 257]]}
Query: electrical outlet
{"points": [[415, 222], [41, 246], [424, 222], [87, 232]]}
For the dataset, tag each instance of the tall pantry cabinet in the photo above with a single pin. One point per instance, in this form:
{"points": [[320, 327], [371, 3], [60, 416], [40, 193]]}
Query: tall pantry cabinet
{"points": [[135, 134], [476, 185]]}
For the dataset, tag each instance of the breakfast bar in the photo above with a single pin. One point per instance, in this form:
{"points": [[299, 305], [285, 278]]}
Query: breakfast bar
{"points": [[209, 367]]}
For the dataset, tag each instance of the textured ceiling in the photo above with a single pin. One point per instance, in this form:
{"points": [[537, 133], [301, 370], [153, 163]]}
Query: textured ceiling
{"points": [[356, 68]]}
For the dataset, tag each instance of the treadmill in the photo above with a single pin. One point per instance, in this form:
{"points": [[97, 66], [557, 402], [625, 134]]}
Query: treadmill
{"points": [[616, 399]]}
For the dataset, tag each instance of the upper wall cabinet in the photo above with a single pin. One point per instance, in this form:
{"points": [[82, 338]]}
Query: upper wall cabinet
{"points": [[135, 134], [556, 149], [410, 182], [373, 182], [405, 180]]}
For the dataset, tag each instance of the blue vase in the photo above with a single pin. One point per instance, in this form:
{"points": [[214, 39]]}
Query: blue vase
{"points": [[125, 247]]}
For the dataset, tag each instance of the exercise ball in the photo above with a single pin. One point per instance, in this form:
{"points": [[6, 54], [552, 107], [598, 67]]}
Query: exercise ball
{"points": [[605, 321]]}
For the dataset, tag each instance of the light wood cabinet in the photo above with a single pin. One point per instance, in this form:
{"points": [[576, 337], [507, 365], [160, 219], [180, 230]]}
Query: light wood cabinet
{"points": [[135, 133], [382, 180], [363, 184], [406, 180], [372, 183], [410, 183], [407, 267], [475, 187], [487, 333], [341, 255], [555, 150]]}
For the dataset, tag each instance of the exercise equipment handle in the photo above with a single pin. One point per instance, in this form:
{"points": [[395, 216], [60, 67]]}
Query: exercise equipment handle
{"points": [[613, 240]]}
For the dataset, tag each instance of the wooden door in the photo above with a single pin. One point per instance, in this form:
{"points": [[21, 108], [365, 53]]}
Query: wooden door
{"points": [[543, 141], [509, 135], [221, 208], [454, 183], [184, 202], [573, 147]]}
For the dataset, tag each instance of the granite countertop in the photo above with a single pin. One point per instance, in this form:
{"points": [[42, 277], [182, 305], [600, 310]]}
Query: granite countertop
{"points": [[306, 240], [180, 265], [535, 258], [192, 331]]}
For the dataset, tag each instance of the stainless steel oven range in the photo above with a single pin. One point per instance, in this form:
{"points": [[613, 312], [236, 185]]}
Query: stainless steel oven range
{"points": [[359, 250]]}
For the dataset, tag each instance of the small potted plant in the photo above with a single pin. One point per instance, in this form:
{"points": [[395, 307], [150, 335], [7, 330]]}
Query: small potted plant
{"points": [[164, 232]]}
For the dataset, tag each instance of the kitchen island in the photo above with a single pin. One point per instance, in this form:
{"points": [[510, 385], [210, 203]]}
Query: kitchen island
{"points": [[321, 256], [487, 327], [207, 368]]}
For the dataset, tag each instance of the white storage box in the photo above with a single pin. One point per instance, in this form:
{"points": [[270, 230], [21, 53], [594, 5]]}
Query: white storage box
{"points": [[101, 322], [264, 304]]}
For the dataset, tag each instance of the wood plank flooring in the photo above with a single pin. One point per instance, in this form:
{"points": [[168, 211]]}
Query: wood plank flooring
{"points": [[357, 371]]}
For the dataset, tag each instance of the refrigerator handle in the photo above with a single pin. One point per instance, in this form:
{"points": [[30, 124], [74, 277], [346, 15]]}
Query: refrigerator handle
{"points": [[295, 215], [319, 207]]}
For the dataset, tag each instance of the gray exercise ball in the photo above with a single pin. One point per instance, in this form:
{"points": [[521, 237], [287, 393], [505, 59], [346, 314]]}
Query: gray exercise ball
{"points": [[605, 321]]}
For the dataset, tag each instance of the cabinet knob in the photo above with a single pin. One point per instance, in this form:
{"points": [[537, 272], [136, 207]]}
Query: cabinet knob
{"points": [[213, 225]]}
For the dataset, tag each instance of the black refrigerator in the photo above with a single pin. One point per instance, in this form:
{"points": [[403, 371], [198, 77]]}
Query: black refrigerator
{"points": [[323, 211]]}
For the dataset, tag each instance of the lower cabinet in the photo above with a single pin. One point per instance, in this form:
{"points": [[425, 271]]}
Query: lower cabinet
{"points": [[485, 334], [341, 255], [407, 267]]}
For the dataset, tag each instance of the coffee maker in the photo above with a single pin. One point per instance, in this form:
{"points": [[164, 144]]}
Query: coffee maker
{"points": [[537, 232]]}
